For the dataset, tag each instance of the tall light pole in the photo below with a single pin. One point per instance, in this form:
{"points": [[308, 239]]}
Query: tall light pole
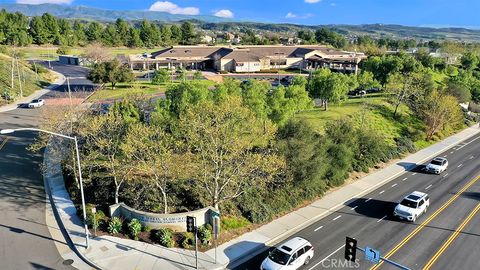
{"points": [[8, 131]]}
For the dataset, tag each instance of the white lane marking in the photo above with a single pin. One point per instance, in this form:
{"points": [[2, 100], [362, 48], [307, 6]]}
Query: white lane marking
{"points": [[404, 179], [318, 228], [428, 187], [368, 199], [337, 217], [445, 156], [326, 258], [460, 165], [381, 219], [445, 175], [414, 173], [451, 152], [394, 185], [381, 192], [353, 208]]}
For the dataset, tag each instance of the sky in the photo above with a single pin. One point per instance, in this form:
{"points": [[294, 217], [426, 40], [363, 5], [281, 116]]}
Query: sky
{"points": [[437, 13]]}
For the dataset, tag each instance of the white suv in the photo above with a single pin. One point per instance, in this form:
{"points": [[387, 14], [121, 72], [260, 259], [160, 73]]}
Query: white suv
{"points": [[289, 255], [437, 165], [412, 206]]}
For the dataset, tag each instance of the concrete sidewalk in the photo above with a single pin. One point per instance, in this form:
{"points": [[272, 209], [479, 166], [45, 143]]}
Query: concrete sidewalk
{"points": [[37, 94], [106, 252], [249, 245]]}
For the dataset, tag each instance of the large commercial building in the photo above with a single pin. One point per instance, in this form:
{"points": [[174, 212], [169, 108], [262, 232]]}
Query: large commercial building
{"points": [[248, 58]]}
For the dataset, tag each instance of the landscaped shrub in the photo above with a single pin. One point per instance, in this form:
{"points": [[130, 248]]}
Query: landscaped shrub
{"points": [[232, 223], [405, 145], [164, 236], [115, 225], [146, 228], [204, 235], [188, 240], [134, 228]]}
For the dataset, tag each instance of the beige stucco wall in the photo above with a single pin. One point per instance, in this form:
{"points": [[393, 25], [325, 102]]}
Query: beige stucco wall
{"points": [[176, 222]]}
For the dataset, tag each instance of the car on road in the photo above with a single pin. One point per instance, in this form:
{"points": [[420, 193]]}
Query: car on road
{"points": [[437, 165], [36, 103], [412, 206], [289, 255]]}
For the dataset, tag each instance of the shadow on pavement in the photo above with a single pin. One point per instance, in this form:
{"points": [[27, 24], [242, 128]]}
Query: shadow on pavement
{"points": [[373, 208], [253, 263]]}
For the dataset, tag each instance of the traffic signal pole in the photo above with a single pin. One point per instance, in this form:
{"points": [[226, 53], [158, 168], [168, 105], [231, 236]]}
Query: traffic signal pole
{"points": [[196, 249], [388, 261]]}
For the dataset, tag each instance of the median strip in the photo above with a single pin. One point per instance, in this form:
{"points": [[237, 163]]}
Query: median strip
{"points": [[426, 222], [451, 238]]}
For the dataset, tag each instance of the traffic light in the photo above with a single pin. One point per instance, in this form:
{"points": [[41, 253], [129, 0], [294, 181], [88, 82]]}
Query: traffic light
{"points": [[350, 249], [191, 226]]}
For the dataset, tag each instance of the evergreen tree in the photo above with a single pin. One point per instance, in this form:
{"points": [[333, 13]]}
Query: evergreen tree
{"points": [[79, 32], [166, 34], [38, 31], [187, 33], [134, 40], [94, 32], [123, 29], [176, 34], [110, 36], [51, 25]]}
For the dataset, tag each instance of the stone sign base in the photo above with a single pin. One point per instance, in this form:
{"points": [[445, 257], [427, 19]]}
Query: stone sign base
{"points": [[176, 222]]}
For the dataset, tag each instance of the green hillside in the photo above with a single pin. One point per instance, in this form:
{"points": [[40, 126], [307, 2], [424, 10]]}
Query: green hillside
{"points": [[24, 76]]}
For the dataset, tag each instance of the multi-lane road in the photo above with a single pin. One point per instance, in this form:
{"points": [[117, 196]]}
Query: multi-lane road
{"points": [[26, 242], [446, 237]]}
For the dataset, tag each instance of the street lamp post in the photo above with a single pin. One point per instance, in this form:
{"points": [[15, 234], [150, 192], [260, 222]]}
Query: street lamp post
{"points": [[8, 131]]}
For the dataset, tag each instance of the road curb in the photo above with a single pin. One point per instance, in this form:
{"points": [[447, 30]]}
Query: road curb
{"points": [[48, 189], [291, 231]]}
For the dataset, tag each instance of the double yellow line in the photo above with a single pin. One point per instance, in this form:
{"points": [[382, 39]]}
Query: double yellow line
{"points": [[3, 143], [428, 220], [451, 238]]}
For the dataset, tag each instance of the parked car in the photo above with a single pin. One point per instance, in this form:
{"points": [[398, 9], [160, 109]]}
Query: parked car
{"points": [[36, 103], [412, 206], [437, 165], [289, 255]]}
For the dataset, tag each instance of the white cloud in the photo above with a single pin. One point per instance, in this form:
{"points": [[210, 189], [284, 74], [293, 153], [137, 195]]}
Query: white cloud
{"points": [[290, 15], [38, 2], [172, 8], [312, 1], [224, 13]]}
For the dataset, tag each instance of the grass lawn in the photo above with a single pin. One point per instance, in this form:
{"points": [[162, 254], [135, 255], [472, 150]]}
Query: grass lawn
{"points": [[372, 111], [123, 90]]}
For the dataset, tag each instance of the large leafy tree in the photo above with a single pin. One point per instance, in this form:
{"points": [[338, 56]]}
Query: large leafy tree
{"points": [[408, 89], [329, 86], [230, 146], [439, 112], [110, 72], [103, 155], [155, 157]]}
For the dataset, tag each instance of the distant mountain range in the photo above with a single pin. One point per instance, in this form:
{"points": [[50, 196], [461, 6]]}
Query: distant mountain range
{"points": [[89, 13], [222, 24]]}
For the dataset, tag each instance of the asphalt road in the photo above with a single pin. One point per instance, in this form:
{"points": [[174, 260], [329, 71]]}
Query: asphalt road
{"points": [[25, 241], [454, 195]]}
